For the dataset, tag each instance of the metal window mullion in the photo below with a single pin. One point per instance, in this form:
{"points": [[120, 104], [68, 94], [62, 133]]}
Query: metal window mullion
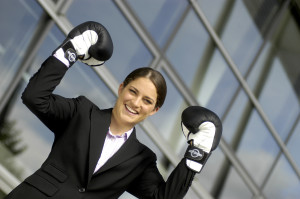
{"points": [[239, 167], [178, 82], [108, 78], [268, 34], [41, 31], [245, 86], [154, 49], [230, 154], [139, 29], [62, 6], [286, 141], [61, 21]]}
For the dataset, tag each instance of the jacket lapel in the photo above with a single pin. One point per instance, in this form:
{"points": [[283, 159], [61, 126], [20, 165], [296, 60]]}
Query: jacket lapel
{"points": [[100, 121], [129, 149]]}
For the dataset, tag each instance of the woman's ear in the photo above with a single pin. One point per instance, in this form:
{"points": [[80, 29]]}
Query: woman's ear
{"points": [[120, 88], [154, 110]]}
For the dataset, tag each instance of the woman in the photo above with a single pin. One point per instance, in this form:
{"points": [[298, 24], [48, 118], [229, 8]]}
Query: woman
{"points": [[95, 153]]}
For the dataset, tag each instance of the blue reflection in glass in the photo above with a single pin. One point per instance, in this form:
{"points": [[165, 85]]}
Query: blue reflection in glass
{"points": [[283, 182], [12, 44], [129, 51], [293, 144], [159, 16], [279, 100], [257, 146]]}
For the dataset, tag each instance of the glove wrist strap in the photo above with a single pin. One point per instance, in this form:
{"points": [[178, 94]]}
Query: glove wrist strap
{"points": [[196, 158], [66, 53]]}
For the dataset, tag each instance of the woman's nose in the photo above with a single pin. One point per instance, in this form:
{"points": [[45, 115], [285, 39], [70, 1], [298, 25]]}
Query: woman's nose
{"points": [[136, 102]]}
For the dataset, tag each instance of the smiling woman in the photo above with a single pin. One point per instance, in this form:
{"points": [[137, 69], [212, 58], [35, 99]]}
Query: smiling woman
{"points": [[96, 153], [141, 94]]}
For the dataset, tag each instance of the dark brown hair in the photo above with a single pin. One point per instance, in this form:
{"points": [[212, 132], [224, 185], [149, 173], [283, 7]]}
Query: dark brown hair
{"points": [[156, 78]]}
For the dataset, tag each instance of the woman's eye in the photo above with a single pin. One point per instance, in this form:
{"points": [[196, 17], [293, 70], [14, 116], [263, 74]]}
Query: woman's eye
{"points": [[132, 91], [148, 101]]}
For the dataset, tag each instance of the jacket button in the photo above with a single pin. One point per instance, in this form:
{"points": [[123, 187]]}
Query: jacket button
{"points": [[81, 190]]}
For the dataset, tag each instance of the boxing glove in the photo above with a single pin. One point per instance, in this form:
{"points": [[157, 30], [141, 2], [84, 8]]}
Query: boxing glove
{"points": [[88, 42], [203, 130]]}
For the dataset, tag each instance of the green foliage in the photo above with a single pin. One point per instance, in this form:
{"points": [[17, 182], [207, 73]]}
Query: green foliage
{"points": [[9, 136]]}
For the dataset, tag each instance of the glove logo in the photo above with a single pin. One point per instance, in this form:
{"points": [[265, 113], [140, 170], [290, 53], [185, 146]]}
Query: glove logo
{"points": [[71, 56], [195, 153]]}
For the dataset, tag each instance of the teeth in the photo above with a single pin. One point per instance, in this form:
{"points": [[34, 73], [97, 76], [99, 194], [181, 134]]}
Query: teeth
{"points": [[131, 110]]}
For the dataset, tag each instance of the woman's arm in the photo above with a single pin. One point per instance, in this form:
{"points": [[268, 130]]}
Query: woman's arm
{"points": [[51, 109], [150, 184], [89, 42]]}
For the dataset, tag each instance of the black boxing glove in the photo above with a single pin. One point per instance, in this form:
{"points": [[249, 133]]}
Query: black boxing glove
{"points": [[89, 42], [203, 130]]}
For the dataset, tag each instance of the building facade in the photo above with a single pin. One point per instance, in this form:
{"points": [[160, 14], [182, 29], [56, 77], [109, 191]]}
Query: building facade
{"points": [[239, 58]]}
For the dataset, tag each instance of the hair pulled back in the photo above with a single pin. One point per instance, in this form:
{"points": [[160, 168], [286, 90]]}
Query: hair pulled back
{"points": [[155, 77]]}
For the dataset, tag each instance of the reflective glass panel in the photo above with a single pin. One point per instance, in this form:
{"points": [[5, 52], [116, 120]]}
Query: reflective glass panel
{"points": [[276, 74], [16, 32], [256, 146], [202, 67], [278, 99], [241, 36], [219, 86], [33, 135], [234, 24], [159, 16], [213, 10], [293, 144], [235, 187], [283, 182], [129, 51], [188, 48], [212, 170], [236, 119], [12, 44]]}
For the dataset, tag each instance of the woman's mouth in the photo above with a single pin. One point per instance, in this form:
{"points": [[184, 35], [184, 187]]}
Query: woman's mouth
{"points": [[130, 110]]}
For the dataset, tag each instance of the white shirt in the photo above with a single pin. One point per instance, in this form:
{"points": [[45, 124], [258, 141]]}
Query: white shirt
{"points": [[111, 145]]}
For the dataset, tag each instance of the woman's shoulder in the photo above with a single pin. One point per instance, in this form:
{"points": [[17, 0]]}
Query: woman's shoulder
{"points": [[83, 104], [83, 100], [86, 106], [146, 150]]}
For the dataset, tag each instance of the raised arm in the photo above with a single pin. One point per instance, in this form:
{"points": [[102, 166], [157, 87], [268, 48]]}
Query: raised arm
{"points": [[90, 43], [203, 130]]}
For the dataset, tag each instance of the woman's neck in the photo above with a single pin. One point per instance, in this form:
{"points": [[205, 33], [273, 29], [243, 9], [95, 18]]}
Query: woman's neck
{"points": [[118, 128]]}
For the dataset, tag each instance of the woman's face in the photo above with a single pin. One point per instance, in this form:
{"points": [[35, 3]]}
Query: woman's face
{"points": [[136, 102]]}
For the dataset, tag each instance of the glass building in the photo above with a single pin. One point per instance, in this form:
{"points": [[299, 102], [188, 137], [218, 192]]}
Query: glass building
{"points": [[239, 58]]}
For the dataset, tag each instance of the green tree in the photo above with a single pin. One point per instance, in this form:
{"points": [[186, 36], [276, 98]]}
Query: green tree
{"points": [[10, 137]]}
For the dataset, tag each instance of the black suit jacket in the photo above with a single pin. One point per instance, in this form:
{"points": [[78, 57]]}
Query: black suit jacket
{"points": [[80, 128]]}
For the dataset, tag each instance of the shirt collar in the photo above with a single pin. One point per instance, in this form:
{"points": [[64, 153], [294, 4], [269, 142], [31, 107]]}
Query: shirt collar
{"points": [[124, 135]]}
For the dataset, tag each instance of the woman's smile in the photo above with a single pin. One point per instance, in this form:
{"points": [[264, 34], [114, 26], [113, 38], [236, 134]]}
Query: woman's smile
{"points": [[130, 110]]}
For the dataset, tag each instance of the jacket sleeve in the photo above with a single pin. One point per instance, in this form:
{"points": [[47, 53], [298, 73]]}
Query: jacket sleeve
{"points": [[53, 110], [150, 185]]}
